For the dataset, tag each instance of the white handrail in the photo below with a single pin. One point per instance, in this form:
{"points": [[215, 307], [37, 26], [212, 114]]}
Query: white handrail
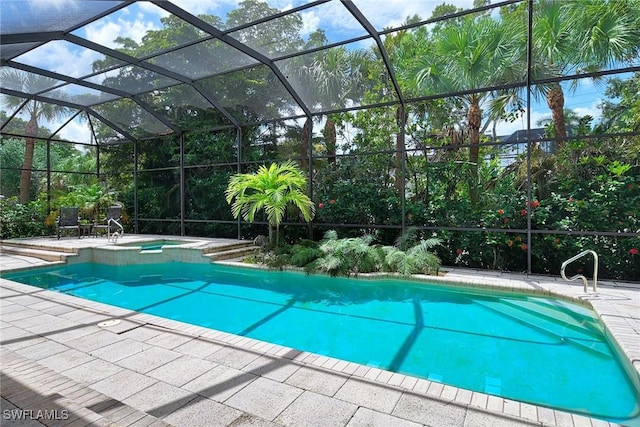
{"points": [[114, 236], [580, 276]]}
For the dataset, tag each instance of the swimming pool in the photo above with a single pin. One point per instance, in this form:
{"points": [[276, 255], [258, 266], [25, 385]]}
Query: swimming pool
{"points": [[535, 349]]}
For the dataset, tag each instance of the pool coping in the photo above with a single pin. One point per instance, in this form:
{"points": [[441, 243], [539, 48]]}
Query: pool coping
{"points": [[616, 304]]}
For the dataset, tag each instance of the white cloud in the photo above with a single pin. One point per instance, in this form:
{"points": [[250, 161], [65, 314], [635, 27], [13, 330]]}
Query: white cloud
{"points": [[592, 111], [339, 24], [105, 31], [151, 9], [310, 22], [76, 131], [61, 57], [200, 7]]}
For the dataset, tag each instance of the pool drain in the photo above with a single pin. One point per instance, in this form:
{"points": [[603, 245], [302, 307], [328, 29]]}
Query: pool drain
{"points": [[108, 323]]}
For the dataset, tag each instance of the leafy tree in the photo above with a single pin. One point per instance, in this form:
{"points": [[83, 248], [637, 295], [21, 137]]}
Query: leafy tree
{"points": [[63, 156], [272, 38], [11, 155], [339, 75], [92, 199], [623, 115], [271, 189], [37, 110]]}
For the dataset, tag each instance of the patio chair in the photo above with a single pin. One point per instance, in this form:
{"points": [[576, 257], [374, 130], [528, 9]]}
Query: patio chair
{"points": [[68, 219], [111, 221]]}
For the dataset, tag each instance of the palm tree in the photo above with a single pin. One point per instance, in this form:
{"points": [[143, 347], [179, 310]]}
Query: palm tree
{"points": [[327, 79], [401, 50], [337, 75], [271, 189], [475, 53], [579, 36], [31, 83]]}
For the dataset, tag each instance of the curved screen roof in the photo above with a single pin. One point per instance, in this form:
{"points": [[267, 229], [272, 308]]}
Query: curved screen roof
{"points": [[139, 69]]}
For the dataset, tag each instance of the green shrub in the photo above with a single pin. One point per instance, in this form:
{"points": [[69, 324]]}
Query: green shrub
{"points": [[301, 256], [353, 255], [347, 256], [416, 260], [20, 220]]}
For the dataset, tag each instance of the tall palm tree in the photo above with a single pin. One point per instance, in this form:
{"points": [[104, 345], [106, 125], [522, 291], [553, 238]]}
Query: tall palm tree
{"points": [[338, 75], [31, 83], [580, 36], [271, 189], [400, 49], [327, 79], [330, 71], [476, 53]]}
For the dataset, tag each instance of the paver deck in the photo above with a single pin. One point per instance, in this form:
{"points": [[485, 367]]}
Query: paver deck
{"points": [[62, 366]]}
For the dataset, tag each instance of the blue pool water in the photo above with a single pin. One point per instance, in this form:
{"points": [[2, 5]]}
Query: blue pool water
{"points": [[534, 349], [155, 245]]}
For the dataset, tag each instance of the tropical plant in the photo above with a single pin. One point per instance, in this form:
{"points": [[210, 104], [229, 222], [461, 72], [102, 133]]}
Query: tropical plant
{"points": [[412, 254], [417, 259], [37, 110], [479, 52], [271, 189], [354, 255], [327, 80], [347, 256], [576, 37], [339, 75]]}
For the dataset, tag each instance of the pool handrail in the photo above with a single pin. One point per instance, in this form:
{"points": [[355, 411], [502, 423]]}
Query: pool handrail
{"points": [[114, 236], [581, 276]]}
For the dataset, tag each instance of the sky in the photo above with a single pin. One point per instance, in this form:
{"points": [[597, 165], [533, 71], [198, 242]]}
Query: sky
{"points": [[136, 20]]}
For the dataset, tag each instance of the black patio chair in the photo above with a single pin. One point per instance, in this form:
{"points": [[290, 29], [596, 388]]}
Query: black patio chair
{"points": [[113, 213], [68, 219]]}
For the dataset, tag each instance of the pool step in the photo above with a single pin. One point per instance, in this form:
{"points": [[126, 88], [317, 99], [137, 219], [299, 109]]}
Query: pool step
{"points": [[227, 246], [227, 253], [581, 337], [35, 252], [37, 246], [581, 324]]}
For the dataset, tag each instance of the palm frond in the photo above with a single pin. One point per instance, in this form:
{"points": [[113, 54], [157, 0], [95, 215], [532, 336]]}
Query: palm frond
{"points": [[407, 238], [272, 188]]}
